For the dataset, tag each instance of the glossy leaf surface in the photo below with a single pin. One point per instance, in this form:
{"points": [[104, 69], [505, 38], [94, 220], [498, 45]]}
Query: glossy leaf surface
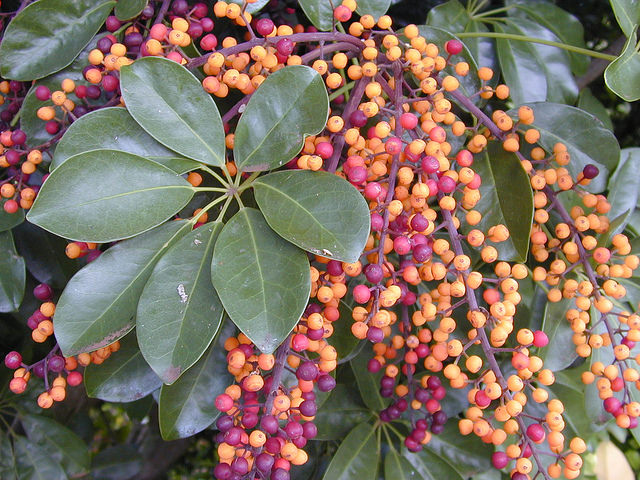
{"points": [[627, 66], [560, 353], [290, 104], [126, 9], [342, 413], [427, 465], [624, 185], [179, 312], [98, 304], [317, 211], [320, 12], [35, 464], [627, 14], [12, 274], [506, 199], [124, 377], [131, 194], [262, 280], [169, 103], [357, 456], [47, 35], [186, 407], [60, 443], [563, 24], [586, 139], [375, 8], [118, 131]]}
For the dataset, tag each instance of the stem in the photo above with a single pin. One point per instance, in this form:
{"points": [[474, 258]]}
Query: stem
{"points": [[488, 13], [281, 359], [525, 38], [215, 175], [195, 218]]}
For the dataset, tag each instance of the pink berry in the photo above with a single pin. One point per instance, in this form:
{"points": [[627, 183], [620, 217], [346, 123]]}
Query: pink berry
{"points": [[453, 47]]}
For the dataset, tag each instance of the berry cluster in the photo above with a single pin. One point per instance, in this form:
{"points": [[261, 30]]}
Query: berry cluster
{"points": [[64, 369]]}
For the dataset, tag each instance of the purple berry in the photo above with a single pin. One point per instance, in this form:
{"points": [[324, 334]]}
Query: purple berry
{"points": [[590, 171], [13, 360], [43, 292]]}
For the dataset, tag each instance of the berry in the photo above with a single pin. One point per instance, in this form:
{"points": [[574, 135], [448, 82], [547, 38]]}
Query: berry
{"points": [[453, 47], [13, 360]]}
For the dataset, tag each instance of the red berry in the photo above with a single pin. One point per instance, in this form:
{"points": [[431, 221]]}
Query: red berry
{"points": [[536, 432], [10, 206], [453, 47], [224, 402], [342, 13], [74, 379], [540, 339]]}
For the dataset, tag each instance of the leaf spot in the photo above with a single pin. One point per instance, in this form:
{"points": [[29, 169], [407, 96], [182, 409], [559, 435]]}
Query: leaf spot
{"points": [[183, 295]]}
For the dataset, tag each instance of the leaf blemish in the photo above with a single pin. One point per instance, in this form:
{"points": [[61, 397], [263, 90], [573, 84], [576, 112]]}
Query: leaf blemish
{"points": [[183, 294]]}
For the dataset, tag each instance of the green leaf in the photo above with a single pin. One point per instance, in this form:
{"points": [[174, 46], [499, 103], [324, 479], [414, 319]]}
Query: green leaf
{"points": [[467, 455], [98, 305], [569, 389], [44, 255], [397, 467], [344, 411], [549, 66], [186, 407], [342, 339], [624, 185], [58, 442], [627, 14], [368, 383], [169, 102], [10, 220], [586, 138], [317, 211], [252, 7], [131, 194], [564, 25], [123, 377], [451, 13], [588, 102], [7, 458], [263, 280], [620, 74], [319, 12], [561, 351], [13, 274], [506, 199], [117, 462], [126, 9], [34, 463], [48, 35], [118, 131], [289, 105], [426, 465], [179, 312], [375, 8], [357, 456]]}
